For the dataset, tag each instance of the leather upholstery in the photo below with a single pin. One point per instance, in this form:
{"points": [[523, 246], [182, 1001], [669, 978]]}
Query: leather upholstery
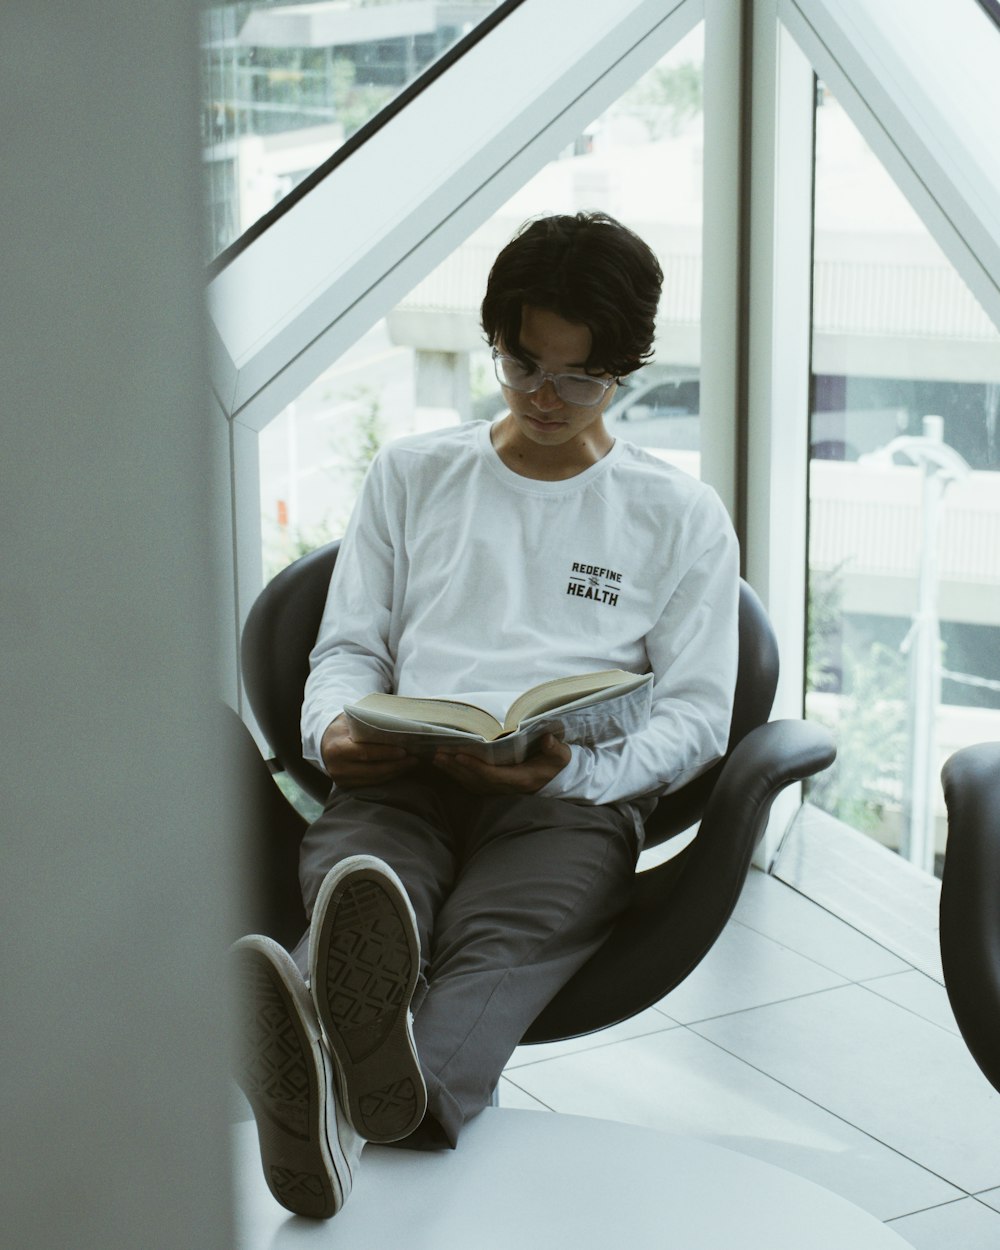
{"points": [[679, 908], [970, 900]]}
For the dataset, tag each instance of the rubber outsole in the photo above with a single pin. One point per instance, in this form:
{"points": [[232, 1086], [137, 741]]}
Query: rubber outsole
{"points": [[282, 1070], [365, 962]]}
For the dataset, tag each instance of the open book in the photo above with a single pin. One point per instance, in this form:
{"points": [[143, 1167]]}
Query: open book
{"points": [[588, 709]]}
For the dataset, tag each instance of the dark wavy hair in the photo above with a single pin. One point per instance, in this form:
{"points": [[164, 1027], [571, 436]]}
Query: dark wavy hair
{"points": [[588, 269]]}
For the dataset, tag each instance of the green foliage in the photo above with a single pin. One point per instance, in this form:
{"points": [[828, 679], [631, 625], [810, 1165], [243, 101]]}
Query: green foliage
{"points": [[666, 98], [355, 104], [367, 432], [354, 443], [482, 380], [304, 803], [870, 724], [823, 615], [870, 732]]}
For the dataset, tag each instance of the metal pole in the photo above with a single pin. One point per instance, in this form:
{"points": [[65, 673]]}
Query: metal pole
{"points": [[924, 669], [940, 465]]}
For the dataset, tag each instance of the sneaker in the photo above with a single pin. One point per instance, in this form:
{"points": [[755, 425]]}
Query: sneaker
{"points": [[308, 1149], [364, 957]]}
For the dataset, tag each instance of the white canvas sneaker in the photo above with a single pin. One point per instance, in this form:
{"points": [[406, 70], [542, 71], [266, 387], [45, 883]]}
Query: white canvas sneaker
{"points": [[364, 959], [308, 1148]]}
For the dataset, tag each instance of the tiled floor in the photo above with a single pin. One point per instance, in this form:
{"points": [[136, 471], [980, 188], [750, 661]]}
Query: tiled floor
{"points": [[805, 1042]]}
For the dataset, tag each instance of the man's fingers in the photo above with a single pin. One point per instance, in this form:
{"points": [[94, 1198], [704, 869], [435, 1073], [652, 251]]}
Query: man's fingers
{"points": [[525, 778], [464, 765], [351, 777], [372, 753], [345, 748]]}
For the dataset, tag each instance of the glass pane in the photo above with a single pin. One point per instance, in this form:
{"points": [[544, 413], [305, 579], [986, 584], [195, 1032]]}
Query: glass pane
{"points": [[426, 365], [284, 84], [904, 498]]}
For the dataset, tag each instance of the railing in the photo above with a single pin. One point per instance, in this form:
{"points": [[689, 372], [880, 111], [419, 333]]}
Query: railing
{"points": [[867, 522]]}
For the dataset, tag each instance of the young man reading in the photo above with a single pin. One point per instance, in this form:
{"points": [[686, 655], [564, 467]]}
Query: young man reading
{"points": [[451, 899]]}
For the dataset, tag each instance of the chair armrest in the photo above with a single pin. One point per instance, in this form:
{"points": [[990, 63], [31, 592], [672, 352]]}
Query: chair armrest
{"points": [[680, 907], [768, 759], [689, 904]]}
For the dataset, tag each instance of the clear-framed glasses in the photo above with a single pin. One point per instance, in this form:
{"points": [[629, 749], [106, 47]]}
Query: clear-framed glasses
{"points": [[572, 388]]}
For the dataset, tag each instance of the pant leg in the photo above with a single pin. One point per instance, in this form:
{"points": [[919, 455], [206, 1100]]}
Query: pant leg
{"points": [[539, 885], [409, 824]]}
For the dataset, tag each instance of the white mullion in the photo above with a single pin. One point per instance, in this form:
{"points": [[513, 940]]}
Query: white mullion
{"points": [[776, 486], [248, 564], [721, 331], [225, 556]]}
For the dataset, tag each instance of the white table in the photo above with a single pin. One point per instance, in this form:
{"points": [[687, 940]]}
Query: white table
{"points": [[532, 1180]]}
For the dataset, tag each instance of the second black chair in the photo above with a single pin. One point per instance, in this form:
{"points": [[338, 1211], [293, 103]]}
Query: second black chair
{"points": [[970, 900]]}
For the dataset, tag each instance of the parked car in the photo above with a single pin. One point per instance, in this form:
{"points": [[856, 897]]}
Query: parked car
{"points": [[657, 391]]}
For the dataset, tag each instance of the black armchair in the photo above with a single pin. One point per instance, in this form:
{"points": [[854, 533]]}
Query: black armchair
{"points": [[680, 907], [970, 900]]}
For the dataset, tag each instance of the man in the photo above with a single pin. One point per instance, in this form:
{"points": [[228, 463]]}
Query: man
{"points": [[450, 899]]}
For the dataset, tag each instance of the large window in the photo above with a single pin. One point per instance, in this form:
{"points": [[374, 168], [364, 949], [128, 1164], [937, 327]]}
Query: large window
{"points": [[285, 84], [426, 365], [904, 503]]}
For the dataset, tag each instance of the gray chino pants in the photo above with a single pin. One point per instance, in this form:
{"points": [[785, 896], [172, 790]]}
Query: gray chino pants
{"points": [[512, 896]]}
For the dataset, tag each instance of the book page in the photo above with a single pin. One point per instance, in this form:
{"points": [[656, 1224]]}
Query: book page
{"points": [[563, 692], [449, 713], [616, 712]]}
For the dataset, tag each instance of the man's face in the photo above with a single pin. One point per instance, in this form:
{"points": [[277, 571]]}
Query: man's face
{"points": [[555, 346]]}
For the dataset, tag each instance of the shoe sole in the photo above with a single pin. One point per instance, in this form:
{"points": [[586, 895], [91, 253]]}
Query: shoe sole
{"points": [[364, 963], [284, 1074]]}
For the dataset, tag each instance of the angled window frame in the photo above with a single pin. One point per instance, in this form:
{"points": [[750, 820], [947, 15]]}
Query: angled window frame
{"points": [[299, 294], [364, 133], [934, 131]]}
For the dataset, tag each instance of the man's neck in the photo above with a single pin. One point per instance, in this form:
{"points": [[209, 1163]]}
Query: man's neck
{"points": [[549, 464]]}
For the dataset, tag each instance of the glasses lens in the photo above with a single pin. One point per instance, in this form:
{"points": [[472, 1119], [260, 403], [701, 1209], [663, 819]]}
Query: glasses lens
{"points": [[512, 373], [576, 390], [570, 387]]}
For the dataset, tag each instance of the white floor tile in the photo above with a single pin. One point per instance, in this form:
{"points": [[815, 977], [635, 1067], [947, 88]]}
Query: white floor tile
{"points": [[779, 912], [745, 969], [871, 888], [917, 993], [513, 1096], [991, 1197], [239, 1108], [679, 1082], [650, 1021], [897, 1077], [964, 1225]]}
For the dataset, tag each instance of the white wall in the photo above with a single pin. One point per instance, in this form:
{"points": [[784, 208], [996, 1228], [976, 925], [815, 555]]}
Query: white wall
{"points": [[114, 886]]}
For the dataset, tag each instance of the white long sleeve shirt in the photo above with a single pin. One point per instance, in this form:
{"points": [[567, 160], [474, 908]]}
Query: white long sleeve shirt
{"points": [[459, 578]]}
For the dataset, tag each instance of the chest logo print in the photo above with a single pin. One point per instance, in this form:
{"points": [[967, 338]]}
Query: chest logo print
{"points": [[587, 581]]}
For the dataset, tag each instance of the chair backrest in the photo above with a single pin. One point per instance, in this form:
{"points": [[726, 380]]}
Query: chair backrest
{"points": [[279, 633], [756, 682], [283, 623]]}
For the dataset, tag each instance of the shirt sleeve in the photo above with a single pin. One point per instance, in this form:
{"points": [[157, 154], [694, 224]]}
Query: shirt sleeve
{"points": [[353, 653], [693, 652]]}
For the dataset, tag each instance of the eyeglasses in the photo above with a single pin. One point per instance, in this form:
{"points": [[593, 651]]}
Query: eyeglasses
{"points": [[572, 388]]}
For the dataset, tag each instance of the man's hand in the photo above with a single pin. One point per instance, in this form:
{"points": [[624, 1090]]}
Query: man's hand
{"points": [[527, 778], [353, 764]]}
